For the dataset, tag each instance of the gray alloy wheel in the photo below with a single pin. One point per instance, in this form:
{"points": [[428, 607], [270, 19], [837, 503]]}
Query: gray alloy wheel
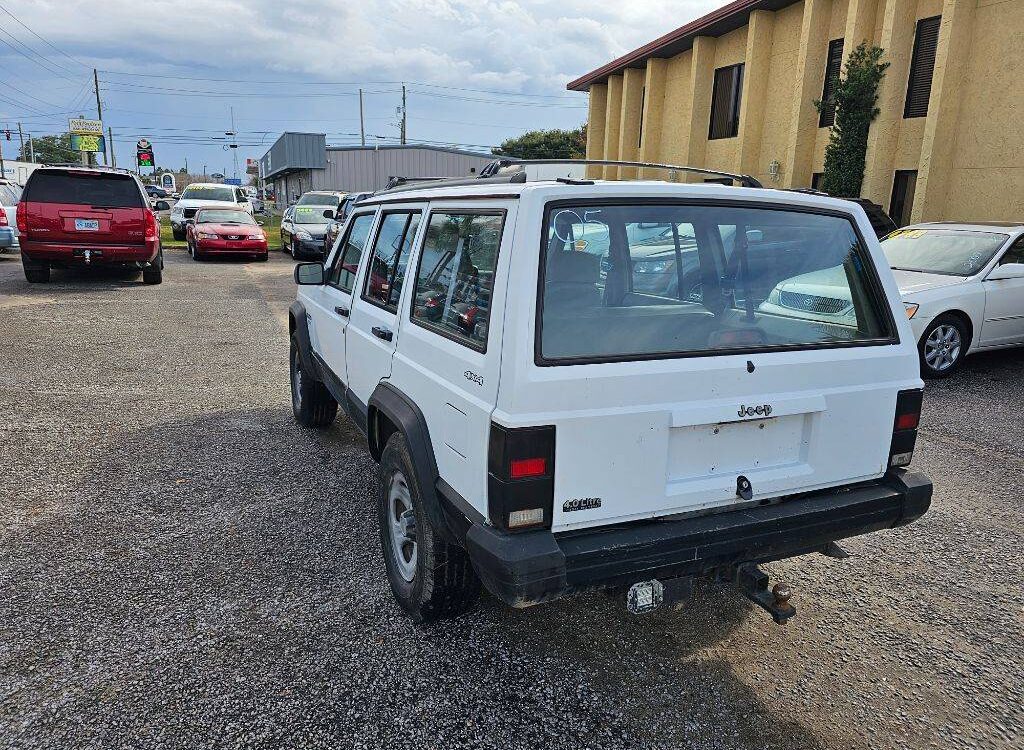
{"points": [[942, 348], [402, 527], [296, 382]]}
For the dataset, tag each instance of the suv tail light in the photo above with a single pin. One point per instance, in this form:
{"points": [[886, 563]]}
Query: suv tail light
{"points": [[21, 216], [521, 477], [904, 429], [151, 228], [3, 218]]}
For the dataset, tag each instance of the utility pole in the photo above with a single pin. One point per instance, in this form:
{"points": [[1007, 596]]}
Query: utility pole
{"points": [[31, 150], [2, 171], [234, 144], [99, 110], [21, 139], [403, 114], [110, 143], [362, 128]]}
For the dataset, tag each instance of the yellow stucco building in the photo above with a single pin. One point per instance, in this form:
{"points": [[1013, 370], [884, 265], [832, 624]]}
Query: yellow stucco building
{"points": [[735, 90]]}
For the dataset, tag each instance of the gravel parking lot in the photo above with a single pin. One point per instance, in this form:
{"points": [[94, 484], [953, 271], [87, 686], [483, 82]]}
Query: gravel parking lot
{"points": [[182, 566]]}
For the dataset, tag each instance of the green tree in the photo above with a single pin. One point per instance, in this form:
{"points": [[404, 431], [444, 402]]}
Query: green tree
{"points": [[855, 96], [546, 144], [50, 149]]}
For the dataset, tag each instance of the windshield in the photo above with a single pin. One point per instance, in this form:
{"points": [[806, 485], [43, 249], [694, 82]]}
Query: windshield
{"points": [[636, 281], [318, 199], [209, 193], [225, 216], [954, 252]]}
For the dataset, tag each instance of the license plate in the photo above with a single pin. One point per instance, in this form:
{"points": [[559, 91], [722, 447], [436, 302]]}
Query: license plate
{"points": [[87, 225]]}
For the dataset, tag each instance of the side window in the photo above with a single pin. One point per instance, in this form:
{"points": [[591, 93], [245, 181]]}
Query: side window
{"points": [[386, 272], [1015, 254], [456, 275], [346, 260]]}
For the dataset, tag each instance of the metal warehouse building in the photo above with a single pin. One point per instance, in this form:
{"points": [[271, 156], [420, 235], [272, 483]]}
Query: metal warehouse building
{"points": [[298, 162], [735, 90]]}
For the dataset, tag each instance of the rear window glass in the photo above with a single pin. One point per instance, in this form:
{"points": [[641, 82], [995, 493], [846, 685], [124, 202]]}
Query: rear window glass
{"points": [[629, 282], [318, 199], [9, 194], [88, 189]]}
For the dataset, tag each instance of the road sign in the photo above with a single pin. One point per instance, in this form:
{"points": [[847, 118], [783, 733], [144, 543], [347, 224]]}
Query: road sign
{"points": [[233, 181], [85, 127]]}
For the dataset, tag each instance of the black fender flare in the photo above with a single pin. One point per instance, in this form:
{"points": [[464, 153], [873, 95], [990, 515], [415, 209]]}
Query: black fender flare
{"points": [[409, 420], [298, 325]]}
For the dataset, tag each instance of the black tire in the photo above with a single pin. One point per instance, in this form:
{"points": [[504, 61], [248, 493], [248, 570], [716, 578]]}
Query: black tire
{"points": [[36, 272], [444, 584], [946, 337], [312, 404], [179, 235], [154, 274]]}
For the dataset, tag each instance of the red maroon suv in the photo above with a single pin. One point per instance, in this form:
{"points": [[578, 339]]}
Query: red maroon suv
{"points": [[87, 216]]}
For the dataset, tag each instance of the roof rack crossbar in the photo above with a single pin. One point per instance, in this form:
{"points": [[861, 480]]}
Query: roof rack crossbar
{"points": [[744, 179]]}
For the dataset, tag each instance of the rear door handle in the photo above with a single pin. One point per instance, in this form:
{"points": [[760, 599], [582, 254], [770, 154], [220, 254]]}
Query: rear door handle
{"points": [[342, 311], [382, 333]]}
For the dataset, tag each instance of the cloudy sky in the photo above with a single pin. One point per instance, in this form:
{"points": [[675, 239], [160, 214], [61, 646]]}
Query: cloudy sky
{"points": [[171, 70]]}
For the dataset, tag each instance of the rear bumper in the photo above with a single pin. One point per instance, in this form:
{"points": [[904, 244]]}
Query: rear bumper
{"points": [[528, 568], [98, 254], [8, 240]]}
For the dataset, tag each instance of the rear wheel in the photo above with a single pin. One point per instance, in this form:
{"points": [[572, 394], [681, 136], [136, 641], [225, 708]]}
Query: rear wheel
{"points": [[154, 274], [312, 403], [943, 346], [179, 235], [431, 579], [36, 271]]}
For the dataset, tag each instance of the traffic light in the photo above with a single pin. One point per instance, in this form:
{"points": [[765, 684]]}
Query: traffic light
{"points": [[7, 134]]}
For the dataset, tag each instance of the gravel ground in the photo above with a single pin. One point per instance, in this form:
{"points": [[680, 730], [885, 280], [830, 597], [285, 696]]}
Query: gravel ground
{"points": [[181, 566]]}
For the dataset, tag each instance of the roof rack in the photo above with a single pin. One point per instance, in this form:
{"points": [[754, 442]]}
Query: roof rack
{"points": [[501, 164]]}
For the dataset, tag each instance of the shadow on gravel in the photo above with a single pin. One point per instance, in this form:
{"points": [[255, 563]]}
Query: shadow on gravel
{"points": [[220, 582]]}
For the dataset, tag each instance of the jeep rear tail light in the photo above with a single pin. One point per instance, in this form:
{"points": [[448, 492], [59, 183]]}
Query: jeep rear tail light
{"points": [[520, 477], [21, 216], [904, 431]]}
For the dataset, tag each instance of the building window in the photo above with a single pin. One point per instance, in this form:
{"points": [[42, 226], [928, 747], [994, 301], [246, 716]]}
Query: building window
{"points": [[725, 103], [833, 64], [816, 178], [902, 201], [919, 85]]}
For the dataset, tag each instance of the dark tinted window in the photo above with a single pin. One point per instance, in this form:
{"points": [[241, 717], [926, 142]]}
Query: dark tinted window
{"points": [[1015, 254], [386, 272], [456, 275], [725, 102], [89, 189], [346, 261], [922, 65]]}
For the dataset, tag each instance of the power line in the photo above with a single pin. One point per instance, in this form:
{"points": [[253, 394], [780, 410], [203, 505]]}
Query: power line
{"points": [[50, 67], [44, 41]]}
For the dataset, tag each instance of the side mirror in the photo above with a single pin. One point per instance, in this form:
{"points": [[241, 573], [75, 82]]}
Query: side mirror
{"points": [[309, 274], [163, 206], [261, 223], [328, 214], [1007, 271]]}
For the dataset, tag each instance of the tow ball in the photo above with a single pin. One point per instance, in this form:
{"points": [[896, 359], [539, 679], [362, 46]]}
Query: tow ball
{"points": [[753, 582]]}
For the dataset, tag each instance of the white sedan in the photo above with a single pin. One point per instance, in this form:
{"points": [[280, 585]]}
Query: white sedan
{"points": [[962, 286]]}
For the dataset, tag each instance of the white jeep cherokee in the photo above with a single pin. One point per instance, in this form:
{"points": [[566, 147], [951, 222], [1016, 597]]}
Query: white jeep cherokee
{"points": [[573, 384]]}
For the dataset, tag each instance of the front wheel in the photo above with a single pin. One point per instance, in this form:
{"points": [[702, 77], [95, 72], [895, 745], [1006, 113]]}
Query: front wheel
{"points": [[312, 403], [430, 579], [943, 347]]}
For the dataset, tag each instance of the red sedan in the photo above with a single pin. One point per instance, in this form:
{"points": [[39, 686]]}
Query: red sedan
{"points": [[225, 231]]}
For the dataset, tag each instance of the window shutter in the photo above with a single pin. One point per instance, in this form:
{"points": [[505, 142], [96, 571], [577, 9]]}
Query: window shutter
{"points": [[919, 85], [833, 64], [725, 102]]}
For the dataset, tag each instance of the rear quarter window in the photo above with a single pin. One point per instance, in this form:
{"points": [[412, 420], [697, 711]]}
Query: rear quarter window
{"points": [[99, 189]]}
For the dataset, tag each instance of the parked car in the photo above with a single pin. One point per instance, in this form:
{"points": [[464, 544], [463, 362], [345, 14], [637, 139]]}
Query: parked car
{"points": [[962, 286], [205, 195], [225, 231], [10, 193], [303, 225], [87, 216], [543, 426], [336, 224], [156, 192]]}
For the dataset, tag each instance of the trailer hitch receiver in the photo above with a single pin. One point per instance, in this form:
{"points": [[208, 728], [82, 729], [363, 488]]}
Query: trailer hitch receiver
{"points": [[753, 582]]}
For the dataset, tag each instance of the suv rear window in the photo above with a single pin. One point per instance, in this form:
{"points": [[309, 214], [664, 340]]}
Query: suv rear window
{"points": [[642, 281], [86, 189]]}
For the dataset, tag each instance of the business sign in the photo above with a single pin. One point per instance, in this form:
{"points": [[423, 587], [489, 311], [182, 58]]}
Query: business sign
{"points": [[85, 127], [252, 166], [88, 143], [144, 153]]}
